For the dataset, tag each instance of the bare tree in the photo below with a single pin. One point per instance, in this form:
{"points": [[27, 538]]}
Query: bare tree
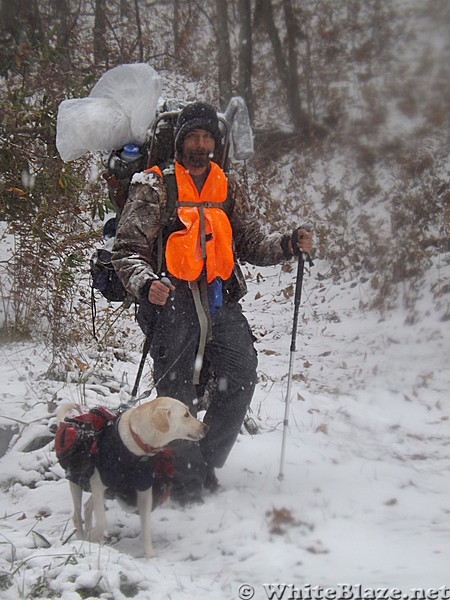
{"points": [[21, 17], [20, 29], [139, 31], [287, 66], [245, 54], [124, 8], [100, 48], [224, 53], [293, 34], [175, 25], [61, 10]]}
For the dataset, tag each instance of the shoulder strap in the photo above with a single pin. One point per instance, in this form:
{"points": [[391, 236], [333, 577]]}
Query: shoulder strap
{"points": [[228, 204], [170, 183]]}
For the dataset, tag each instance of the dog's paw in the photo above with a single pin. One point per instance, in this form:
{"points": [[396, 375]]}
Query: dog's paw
{"points": [[149, 553], [95, 535]]}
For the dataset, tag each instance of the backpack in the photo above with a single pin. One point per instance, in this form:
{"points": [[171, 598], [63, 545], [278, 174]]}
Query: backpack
{"points": [[77, 439], [104, 277], [121, 166]]}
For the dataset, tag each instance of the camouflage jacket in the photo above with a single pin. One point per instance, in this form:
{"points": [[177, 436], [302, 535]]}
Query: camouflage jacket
{"points": [[134, 251]]}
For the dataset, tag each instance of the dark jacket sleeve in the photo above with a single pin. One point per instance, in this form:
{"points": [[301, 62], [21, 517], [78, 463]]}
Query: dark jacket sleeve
{"points": [[137, 233]]}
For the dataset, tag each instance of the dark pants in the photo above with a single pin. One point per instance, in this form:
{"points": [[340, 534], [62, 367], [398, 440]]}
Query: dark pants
{"points": [[230, 355]]}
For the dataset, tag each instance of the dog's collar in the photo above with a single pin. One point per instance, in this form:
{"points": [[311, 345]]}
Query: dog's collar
{"points": [[145, 447]]}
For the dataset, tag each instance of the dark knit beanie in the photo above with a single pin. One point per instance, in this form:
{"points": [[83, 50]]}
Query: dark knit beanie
{"points": [[198, 115]]}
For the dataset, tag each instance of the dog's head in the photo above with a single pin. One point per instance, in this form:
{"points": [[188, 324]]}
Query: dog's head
{"points": [[169, 420]]}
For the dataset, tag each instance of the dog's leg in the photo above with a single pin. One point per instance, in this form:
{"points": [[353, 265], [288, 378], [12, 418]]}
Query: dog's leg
{"points": [[145, 501], [77, 494], [96, 503], [88, 510]]}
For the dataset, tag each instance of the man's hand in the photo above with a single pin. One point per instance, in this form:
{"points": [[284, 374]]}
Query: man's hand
{"points": [[159, 292], [303, 238]]}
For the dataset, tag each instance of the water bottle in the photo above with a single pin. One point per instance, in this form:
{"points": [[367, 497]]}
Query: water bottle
{"points": [[130, 153], [215, 295], [125, 163]]}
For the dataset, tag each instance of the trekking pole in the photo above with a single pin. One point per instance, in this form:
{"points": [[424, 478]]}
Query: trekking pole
{"points": [[145, 351], [302, 258], [147, 393]]}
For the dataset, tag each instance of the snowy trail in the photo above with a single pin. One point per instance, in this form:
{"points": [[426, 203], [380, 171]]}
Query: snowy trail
{"points": [[365, 495]]}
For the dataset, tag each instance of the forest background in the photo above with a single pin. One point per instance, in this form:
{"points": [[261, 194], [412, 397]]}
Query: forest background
{"points": [[349, 103]]}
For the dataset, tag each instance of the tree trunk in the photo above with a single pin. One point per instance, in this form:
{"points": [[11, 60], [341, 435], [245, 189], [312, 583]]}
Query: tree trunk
{"points": [[21, 17], [245, 55], [100, 49], [139, 31], [272, 32], [224, 54], [61, 9], [175, 25], [124, 9], [287, 69], [299, 118]]}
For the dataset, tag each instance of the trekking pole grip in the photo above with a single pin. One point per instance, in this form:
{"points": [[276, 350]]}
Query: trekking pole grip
{"points": [[294, 241]]}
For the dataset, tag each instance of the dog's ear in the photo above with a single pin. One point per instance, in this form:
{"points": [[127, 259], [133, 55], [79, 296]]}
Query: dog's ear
{"points": [[160, 419]]}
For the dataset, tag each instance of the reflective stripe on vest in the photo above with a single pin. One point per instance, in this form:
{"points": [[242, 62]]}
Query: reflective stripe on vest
{"points": [[207, 233]]}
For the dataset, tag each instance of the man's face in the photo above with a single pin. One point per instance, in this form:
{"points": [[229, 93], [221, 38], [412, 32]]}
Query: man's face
{"points": [[198, 147]]}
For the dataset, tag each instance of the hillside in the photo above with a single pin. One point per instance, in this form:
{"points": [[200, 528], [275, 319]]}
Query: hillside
{"points": [[364, 499]]}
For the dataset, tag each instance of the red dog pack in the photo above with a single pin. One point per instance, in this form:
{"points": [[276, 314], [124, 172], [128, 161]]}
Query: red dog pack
{"points": [[77, 439]]}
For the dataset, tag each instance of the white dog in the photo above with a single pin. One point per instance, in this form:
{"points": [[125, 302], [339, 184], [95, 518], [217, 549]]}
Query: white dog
{"points": [[123, 460]]}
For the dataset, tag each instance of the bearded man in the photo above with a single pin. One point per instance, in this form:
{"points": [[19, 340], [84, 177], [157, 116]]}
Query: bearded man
{"points": [[196, 323]]}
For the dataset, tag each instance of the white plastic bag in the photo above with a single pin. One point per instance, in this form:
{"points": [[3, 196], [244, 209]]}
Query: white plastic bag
{"points": [[136, 89], [118, 111], [90, 124]]}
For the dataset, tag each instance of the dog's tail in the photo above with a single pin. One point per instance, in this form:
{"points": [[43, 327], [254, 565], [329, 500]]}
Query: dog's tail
{"points": [[62, 411]]}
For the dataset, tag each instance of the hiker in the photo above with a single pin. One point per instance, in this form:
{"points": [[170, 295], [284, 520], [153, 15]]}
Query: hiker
{"points": [[196, 321]]}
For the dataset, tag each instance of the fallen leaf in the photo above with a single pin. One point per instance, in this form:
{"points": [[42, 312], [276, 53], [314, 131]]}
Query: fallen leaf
{"points": [[17, 191], [80, 364]]}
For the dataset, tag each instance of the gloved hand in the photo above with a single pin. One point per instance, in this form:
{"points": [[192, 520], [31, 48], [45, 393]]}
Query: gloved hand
{"points": [[301, 240]]}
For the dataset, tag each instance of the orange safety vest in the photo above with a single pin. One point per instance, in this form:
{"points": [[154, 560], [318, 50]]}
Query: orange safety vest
{"points": [[207, 234]]}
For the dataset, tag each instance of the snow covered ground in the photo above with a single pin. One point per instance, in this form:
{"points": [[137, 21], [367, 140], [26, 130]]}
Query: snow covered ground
{"points": [[365, 494]]}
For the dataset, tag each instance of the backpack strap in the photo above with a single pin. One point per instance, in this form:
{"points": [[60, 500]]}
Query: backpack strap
{"points": [[170, 184]]}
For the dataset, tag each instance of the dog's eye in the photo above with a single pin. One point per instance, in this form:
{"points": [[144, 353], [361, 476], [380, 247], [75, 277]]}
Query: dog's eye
{"points": [[187, 415]]}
